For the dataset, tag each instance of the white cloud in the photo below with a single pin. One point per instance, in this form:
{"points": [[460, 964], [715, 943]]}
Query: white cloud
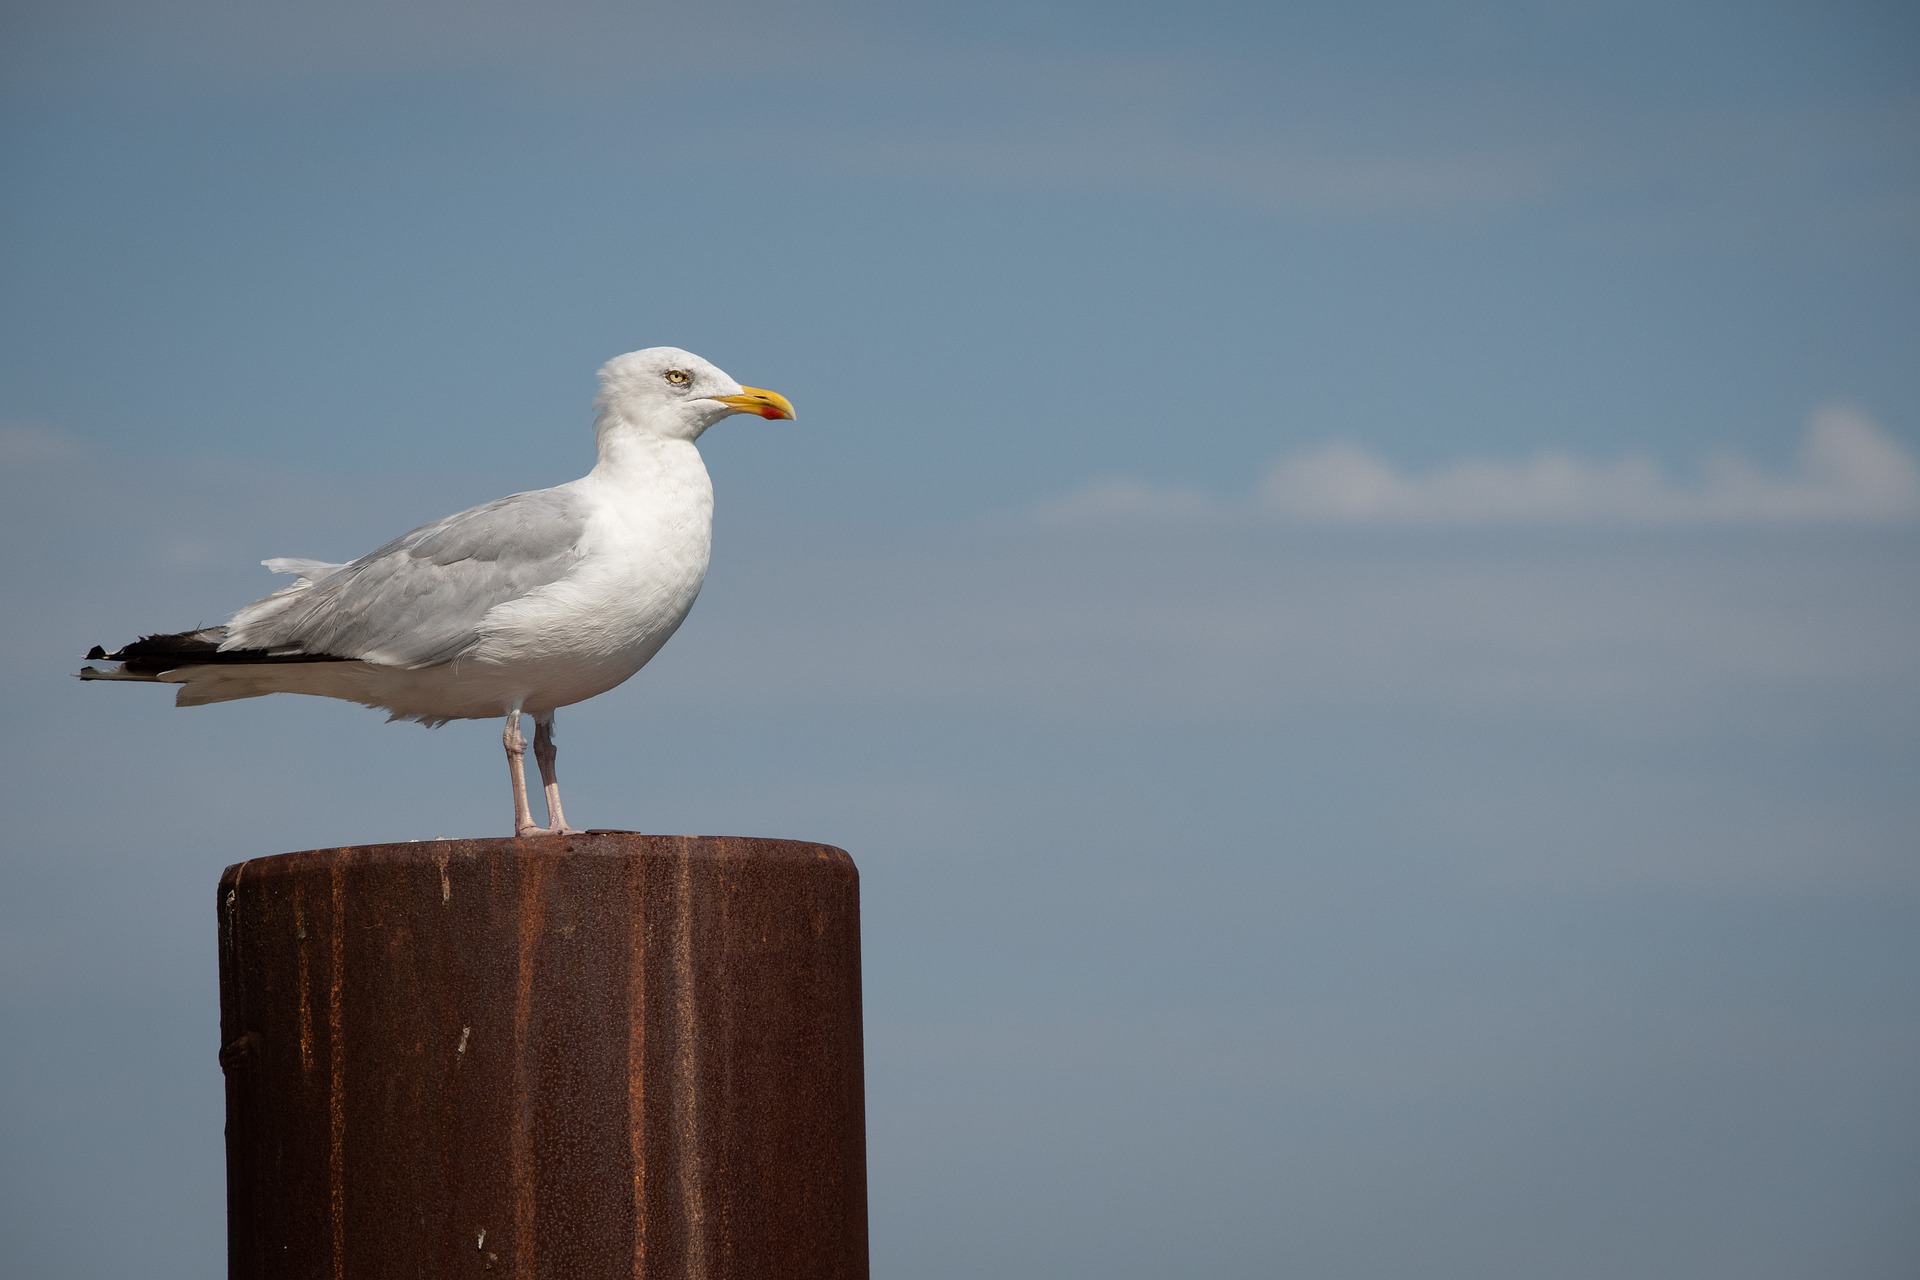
{"points": [[1847, 471]]}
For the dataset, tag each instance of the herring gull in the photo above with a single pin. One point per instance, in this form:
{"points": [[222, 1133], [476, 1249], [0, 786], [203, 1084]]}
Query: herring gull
{"points": [[521, 606]]}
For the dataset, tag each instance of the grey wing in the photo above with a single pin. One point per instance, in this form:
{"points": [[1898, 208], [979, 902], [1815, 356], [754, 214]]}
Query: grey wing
{"points": [[419, 600]]}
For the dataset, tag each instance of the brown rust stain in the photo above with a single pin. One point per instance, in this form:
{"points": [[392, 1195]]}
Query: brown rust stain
{"points": [[337, 1073], [303, 954], [531, 923], [637, 1055], [686, 1093]]}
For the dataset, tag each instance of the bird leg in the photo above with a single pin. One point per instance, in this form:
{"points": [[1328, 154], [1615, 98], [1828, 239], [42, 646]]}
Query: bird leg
{"points": [[516, 744], [544, 754]]}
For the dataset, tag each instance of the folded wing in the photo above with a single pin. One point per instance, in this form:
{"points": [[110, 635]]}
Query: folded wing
{"points": [[419, 600]]}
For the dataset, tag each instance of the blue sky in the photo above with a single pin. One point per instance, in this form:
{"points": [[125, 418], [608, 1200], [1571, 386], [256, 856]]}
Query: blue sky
{"points": [[1348, 576]]}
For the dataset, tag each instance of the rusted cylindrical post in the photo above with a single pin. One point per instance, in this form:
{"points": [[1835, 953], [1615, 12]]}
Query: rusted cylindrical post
{"points": [[604, 1055]]}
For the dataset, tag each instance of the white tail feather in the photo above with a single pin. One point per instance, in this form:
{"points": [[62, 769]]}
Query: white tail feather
{"points": [[305, 570]]}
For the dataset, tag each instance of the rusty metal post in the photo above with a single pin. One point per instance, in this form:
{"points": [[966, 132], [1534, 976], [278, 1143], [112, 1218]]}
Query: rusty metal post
{"points": [[605, 1055]]}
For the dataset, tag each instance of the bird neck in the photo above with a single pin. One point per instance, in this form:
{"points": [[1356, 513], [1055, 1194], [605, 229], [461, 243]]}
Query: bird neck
{"points": [[632, 456]]}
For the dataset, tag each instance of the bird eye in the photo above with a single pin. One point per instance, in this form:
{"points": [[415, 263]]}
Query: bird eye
{"points": [[678, 377]]}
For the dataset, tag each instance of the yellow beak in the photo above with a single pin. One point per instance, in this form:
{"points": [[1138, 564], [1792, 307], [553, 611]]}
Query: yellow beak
{"points": [[768, 404]]}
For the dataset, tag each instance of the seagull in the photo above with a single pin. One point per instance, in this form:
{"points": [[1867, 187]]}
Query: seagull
{"points": [[518, 607]]}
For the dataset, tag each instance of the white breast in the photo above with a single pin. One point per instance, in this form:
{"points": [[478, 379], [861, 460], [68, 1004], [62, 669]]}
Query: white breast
{"points": [[645, 553]]}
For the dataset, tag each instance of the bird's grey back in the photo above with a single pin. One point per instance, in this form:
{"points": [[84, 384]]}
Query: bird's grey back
{"points": [[419, 600]]}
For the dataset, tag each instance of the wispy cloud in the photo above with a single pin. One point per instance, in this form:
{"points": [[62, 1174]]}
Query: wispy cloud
{"points": [[1848, 471], [1278, 125]]}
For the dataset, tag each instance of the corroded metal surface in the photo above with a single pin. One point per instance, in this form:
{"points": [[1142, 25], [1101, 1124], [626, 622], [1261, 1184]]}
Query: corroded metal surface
{"points": [[603, 1055]]}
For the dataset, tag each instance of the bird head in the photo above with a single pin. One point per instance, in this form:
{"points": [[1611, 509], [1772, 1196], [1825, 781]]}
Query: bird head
{"points": [[673, 393]]}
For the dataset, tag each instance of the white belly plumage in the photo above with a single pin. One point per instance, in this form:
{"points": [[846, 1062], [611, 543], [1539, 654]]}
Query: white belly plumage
{"points": [[575, 639]]}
